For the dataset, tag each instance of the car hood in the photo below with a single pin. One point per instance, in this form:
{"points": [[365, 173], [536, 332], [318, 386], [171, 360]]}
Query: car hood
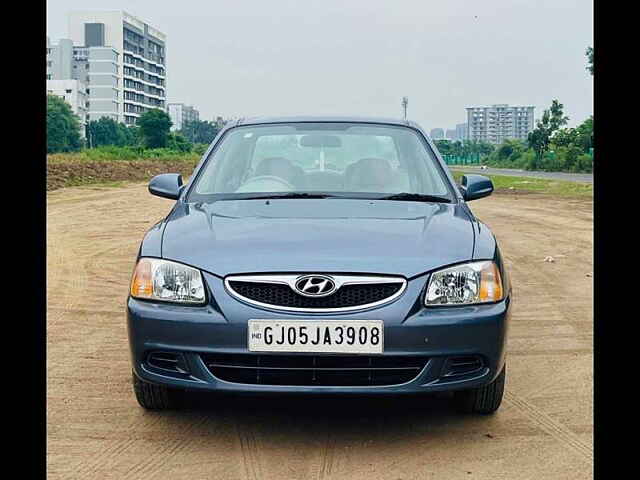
{"points": [[318, 235]]}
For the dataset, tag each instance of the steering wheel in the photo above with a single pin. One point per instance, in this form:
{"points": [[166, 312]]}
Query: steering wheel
{"points": [[265, 178]]}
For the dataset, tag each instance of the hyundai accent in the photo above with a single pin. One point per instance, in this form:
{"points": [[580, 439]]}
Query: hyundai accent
{"points": [[325, 256]]}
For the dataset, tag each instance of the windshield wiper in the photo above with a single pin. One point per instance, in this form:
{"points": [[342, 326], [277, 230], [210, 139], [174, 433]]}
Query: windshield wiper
{"points": [[416, 197], [286, 195]]}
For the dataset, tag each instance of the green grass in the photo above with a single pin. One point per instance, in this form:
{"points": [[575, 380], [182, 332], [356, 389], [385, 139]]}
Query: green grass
{"points": [[109, 154], [538, 185]]}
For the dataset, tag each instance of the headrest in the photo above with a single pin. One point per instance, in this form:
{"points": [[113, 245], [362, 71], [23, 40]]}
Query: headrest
{"points": [[369, 172]]}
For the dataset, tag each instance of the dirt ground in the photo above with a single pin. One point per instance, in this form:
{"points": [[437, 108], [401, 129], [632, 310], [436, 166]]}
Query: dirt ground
{"points": [[73, 173], [95, 429]]}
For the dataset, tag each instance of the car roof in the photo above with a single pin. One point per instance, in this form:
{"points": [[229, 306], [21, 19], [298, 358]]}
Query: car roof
{"points": [[325, 119]]}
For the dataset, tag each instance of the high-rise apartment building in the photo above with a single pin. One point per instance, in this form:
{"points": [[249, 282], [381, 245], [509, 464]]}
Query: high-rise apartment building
{"points": [[97, 67], [141, 59], [95, 71], [181, 114], [497, 123]]}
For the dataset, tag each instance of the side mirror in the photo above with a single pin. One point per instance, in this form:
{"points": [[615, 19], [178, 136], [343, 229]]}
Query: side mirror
{"points": [[166, 185], [475, 186]]}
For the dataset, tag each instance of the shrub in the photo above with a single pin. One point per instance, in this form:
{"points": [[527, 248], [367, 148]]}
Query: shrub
{"points": [[113, 153], [179, 143], [529, 160], [585, 163], [200, 148]]}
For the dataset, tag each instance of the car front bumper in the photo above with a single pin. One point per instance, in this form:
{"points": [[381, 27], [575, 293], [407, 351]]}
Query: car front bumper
{"points": [[220, 327]]}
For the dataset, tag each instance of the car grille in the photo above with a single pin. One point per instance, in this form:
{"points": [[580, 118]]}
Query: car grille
{"points": [[349, 296], [316, 370]]}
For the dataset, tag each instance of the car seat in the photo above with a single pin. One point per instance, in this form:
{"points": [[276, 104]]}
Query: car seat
{"points": [[368, 175], [283, 168]]}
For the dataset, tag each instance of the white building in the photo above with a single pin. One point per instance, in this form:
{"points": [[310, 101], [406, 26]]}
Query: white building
{"points": [[497, 123], [180, 114], [74, 93], [96, 68], [141, 57]]}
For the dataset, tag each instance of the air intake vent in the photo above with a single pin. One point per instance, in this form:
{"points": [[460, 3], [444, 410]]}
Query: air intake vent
{"points": [[317, 370], [168, 361], [463, 365]]}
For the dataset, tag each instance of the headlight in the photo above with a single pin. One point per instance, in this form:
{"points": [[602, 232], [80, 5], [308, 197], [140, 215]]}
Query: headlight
{"points": [[156, 279], [477, 282]]}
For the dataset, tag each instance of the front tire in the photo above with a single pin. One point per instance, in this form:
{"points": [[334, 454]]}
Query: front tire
{"points": [[154, 397], [484, 400]]}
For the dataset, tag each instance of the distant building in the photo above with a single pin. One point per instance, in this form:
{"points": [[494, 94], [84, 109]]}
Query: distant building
{"points": [[97, 68], [461, 132], [451, 135], [437, 134], [139, 73], [74, 93], [96, 71], [60, 60], [499, 122], [181, 114]]}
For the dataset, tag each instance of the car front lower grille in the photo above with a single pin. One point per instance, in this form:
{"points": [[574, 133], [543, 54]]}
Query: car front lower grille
{"points": [[462, 365], [314, 370], [278, 292]]}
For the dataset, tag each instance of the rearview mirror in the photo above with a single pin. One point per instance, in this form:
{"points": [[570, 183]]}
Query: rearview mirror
{"points": [[474, 187], [166, 185], [320, 141]]}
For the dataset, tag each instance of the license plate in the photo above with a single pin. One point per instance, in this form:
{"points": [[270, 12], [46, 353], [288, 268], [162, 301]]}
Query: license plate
{"points": [[316, 336]]}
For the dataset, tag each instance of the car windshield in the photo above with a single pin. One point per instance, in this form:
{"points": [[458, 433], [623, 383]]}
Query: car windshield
{"points": [[316, 160]]}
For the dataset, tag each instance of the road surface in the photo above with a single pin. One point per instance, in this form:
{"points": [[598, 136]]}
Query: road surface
{"points": [[96, 430], [570, 177]]}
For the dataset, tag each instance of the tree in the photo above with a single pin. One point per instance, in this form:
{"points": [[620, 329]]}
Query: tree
{"points": [[63, 126], [585, 134], [540, 137], [107, 131], [130, 134], [104, 131], [456, 148], [565, 137], [483, 148], [154, 128], [589, 54], [444, 146], [581, 136], [176, 141], [476, 147], [509, 149], [200, 131]]}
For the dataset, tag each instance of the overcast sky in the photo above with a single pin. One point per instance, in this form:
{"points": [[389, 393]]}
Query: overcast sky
{"points": [[359, 57]]}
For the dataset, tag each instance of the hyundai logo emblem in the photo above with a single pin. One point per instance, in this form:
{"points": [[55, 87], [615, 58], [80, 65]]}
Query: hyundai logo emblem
{"points": [[315, 286]]}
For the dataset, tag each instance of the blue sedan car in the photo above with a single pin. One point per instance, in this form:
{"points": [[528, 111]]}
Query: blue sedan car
{"points": [[320, 255]]}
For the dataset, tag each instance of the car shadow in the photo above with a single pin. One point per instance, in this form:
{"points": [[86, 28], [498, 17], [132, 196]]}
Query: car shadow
{"points": [[306, 416]]}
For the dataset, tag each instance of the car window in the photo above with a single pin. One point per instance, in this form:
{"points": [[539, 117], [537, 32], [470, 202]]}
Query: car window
{"points": [[331, 158], [353, 147]]}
